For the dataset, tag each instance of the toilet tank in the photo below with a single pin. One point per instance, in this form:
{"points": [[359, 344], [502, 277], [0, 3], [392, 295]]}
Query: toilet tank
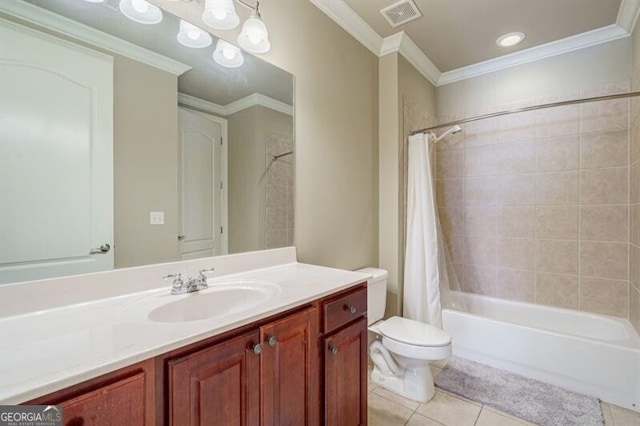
{"points": [[376, 293]]}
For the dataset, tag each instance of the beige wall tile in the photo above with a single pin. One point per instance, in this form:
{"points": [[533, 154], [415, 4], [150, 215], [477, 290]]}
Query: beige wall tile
{"points": [[454, 246], [634, 265], [557, 256], [516, 253], [604, 149], [634, 190], [559, 121], [500, 159], [481, 160], [480, 279], [449, 163], [455, 274], [449, 192], [557, 187], [515, 189], [480, 220], [604, 186], [516, 284], [558, 154], [604, 223], [557, 222], [480, 250], [451, 219], [604, 116], [557, 290], [481, 132], [480, 190], [608, 297], [604, 260], [517, 127], [634, 137], [515, 221]]}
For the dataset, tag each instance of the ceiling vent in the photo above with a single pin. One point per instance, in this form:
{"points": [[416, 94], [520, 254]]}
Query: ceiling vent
{"points": [[111, 4], [401, 12]]}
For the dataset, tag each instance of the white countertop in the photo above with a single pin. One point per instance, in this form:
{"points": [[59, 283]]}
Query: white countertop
{"points": [[48, 350]]}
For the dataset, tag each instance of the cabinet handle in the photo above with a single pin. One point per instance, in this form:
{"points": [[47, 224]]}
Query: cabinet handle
{"points": [[272, 340], [334, 349], [350, 308], [257, 349]]}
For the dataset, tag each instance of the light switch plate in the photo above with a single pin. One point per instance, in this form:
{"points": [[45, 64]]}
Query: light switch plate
{"points": [[156, 218]]}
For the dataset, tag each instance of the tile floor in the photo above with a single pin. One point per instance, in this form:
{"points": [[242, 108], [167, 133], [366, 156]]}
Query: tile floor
{"points": [[389, 409]]}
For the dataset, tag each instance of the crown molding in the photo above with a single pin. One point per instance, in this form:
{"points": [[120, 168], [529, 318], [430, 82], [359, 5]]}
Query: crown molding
{"points": [[628, 14], [201, 104], [86, 34], [255, 99], [565, 45], [350, 21], [258, 99]]}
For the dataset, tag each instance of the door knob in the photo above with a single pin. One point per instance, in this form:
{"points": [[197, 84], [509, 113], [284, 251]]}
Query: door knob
{"points": [[101, 250]]}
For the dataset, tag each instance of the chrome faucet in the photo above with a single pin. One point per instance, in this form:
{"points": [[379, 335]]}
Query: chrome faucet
{"points": [[178, 286]]}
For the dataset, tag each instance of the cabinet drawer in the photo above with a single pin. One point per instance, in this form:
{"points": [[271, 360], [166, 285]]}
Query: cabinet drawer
{"points": [[343, 310]]}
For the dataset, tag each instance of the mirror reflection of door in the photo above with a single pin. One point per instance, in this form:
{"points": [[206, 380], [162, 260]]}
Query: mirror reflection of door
{"points": [[202, 179], [56, 157]]}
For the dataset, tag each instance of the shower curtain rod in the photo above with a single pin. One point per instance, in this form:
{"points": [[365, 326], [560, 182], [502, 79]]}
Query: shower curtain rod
{"points": [[525, 109]]}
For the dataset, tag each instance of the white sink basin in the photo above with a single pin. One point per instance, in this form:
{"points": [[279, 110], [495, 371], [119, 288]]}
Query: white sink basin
{"points": [[221, 298]]}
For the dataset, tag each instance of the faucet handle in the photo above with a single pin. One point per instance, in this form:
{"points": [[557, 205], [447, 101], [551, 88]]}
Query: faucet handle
{"points": [[177, 285], [202, 278]]}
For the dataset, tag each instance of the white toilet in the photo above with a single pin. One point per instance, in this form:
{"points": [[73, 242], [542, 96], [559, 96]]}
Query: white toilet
{"points": [[402, 348]]}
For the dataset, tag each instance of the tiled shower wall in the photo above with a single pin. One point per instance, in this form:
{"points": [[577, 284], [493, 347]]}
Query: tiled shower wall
{"points": [[634, 196], [535, 206], [279, 192]]}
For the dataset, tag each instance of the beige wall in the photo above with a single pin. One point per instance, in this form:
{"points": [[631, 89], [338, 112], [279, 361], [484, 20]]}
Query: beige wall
{"points": [[336, 129], [535, 205], [634, 195], [145, 163], [248, 131], [406, 102]]}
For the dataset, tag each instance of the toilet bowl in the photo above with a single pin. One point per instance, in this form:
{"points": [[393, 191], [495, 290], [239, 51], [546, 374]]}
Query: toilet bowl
{"points": [[402, 348]]}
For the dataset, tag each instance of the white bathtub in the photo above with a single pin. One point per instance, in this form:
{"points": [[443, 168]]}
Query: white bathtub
{"points": [[587, 353]]}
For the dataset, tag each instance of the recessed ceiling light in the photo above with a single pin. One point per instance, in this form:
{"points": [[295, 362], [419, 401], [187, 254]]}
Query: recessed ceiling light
{"points": [[510, 39]]}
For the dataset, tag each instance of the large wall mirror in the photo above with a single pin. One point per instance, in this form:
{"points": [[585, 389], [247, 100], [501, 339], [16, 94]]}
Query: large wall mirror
{"points": [[121, 146]]}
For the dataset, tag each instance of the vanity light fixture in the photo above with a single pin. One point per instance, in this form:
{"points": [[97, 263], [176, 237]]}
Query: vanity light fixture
{"points": [[221, 15], [141, 11], [228, 55], [510, 39], [191, 36]]}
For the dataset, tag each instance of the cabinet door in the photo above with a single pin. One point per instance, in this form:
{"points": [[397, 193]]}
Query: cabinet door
{"points": [[290, 370], [217, 385], [346, 376]]}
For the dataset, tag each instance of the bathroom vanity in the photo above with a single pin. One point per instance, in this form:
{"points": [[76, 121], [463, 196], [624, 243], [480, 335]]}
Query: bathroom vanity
{"points": [[296, 357]]}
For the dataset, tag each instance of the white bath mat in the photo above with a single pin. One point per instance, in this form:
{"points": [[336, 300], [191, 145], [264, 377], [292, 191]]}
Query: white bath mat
{"points": [[528, 399]]}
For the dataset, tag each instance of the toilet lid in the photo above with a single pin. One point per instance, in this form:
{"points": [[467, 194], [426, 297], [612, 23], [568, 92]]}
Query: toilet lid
{"points": [[413, 332]]}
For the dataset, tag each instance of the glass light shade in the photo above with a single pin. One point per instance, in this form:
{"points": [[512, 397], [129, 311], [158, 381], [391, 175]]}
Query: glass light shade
{"points": [[254, 36], [192, 36], [228, 55], [220, 14], [510, 39], [141, 11]]}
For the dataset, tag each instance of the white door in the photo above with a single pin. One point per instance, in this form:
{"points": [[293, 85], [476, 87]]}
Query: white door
{"points": [[56, 156], [203, 175]]}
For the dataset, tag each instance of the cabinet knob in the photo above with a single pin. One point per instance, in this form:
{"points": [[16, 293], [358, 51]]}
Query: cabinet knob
{"points": [[334, 349], [272, 340], [257, 349], [350, 308]]}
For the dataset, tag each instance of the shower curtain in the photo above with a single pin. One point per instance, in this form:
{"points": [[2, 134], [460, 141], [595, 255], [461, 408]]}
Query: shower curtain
{"points": [[425, 273]]}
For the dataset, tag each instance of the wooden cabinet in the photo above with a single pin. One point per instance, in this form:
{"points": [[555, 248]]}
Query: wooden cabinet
{"points": [[217, 385], [123, 397], [266, 377], [345, 360], [303, 367], [290, 370]]}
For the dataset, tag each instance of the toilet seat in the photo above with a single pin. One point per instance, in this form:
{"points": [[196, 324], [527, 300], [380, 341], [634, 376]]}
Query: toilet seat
{"points": [[414, 339]]}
